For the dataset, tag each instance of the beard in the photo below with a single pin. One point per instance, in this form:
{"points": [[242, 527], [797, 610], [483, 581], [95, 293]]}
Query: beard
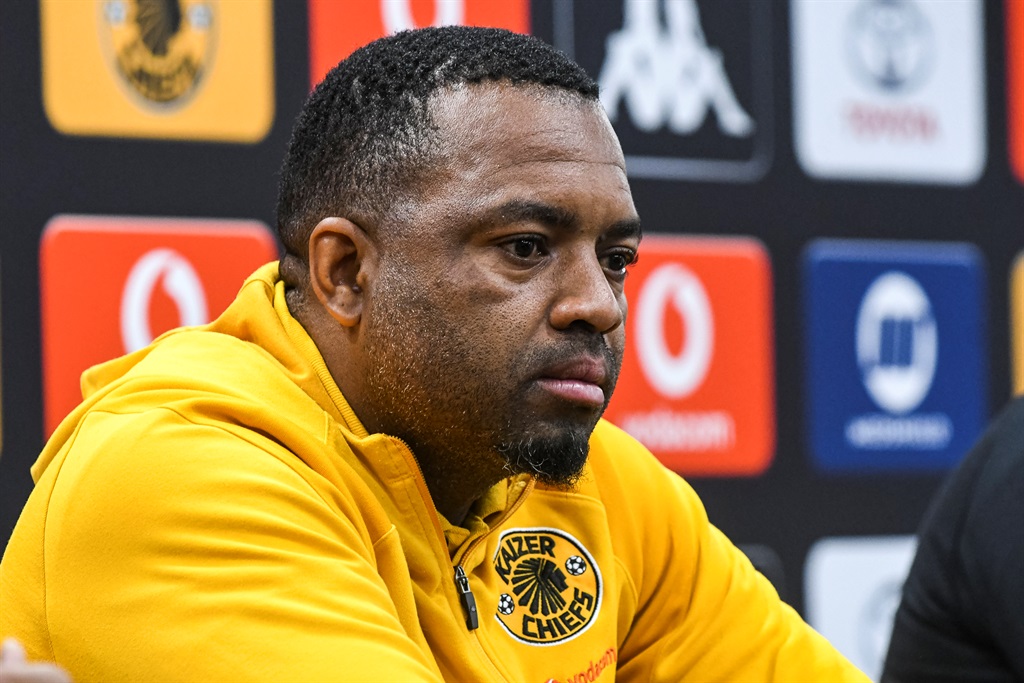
{"points": [[457, 388], [556, 460]]}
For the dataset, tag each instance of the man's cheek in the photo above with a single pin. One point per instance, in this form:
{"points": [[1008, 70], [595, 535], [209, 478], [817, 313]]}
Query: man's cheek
{"points": [[617, 341]]}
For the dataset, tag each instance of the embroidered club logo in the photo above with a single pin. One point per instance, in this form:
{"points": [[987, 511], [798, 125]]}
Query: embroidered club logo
{"points": [[161, 48], [552, 585]]}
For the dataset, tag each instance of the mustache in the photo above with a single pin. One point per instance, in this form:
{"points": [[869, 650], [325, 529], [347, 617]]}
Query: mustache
{"points": [[571, 346]]}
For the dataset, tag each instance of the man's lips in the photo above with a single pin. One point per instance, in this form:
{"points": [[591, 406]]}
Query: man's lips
{"points": [[580, 380]]}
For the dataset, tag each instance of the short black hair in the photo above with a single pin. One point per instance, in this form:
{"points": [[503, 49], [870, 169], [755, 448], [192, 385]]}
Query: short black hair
{"points": [[364, 136]]}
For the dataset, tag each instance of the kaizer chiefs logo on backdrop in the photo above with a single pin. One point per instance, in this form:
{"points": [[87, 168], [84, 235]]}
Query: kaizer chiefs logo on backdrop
{"points": [[553, 585], [161, 48]]}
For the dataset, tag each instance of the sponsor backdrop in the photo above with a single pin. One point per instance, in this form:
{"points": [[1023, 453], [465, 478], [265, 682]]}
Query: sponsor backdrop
{"points": [[878, 94], [1017, 320], [852, 588], [826, 312], [157, 274], [203, 71], [894, 377], [1015, 71], [697, 384]]}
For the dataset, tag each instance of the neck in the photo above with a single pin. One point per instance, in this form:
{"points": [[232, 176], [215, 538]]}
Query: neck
{"points": [[455, 482], [454, 479]]}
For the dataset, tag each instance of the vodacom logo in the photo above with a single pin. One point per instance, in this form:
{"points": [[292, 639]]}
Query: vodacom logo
{"points": [[674, 375], [179, 281], [397, 14]]}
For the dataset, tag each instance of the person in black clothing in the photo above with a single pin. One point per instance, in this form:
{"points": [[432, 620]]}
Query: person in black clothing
{"points": [[962, 613]]}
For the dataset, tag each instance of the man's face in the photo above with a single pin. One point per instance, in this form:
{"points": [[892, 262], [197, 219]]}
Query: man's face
{"points": [[494, 328]]}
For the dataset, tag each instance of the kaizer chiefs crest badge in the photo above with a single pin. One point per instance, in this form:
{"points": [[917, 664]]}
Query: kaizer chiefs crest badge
{"points": [[553, 586], [161, 49]]}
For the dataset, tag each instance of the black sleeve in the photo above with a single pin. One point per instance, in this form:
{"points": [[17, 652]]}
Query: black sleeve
{"points": [[962, 613]]}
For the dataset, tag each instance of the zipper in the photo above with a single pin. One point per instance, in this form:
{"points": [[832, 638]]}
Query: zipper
{"points": [[421, 485], [462, 587], [466, 596]]}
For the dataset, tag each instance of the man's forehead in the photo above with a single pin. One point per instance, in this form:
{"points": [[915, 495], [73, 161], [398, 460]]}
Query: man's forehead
{"points": [[486, 92], [468, 105], [521, 120]]}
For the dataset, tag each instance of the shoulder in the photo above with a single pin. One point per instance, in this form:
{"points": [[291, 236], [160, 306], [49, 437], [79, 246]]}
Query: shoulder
{"points": [[612, 447], [962, 599], [970, 540], [627, 477], [991, 506], [614, 454], [200, 416], [999, 456], [206, 379], [988, 483]]}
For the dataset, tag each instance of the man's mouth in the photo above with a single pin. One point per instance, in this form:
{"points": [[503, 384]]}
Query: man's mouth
{"points": [[579, 380]]}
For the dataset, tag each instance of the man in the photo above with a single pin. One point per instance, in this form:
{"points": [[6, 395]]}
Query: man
{"points": [[375, 464], [962, 614]]}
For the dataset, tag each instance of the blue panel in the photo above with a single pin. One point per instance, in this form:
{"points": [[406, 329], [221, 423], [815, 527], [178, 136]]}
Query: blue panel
{"points": [[896, 369]]}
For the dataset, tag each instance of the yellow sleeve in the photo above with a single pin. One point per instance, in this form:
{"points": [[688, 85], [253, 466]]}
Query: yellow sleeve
{"points": [[180, 552], [703, 613]]}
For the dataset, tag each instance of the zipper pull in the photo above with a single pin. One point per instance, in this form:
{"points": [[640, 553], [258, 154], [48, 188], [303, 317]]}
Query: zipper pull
{"points": [[466, 598]]}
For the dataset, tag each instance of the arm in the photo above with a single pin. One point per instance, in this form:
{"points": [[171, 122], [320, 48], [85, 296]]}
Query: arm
{"points": [[177, 551]]}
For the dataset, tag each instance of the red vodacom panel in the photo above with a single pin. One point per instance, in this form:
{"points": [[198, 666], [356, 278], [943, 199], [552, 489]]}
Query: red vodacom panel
{"points": [[110, 285], [336, 29], [697, 382]]}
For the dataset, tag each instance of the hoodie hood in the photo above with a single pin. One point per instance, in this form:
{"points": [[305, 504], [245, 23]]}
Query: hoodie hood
{"points": [[216, 360]]}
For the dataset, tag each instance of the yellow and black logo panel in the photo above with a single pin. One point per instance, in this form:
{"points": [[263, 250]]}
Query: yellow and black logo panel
{"points": [[199, 69], [552, 585], [160, 48]]}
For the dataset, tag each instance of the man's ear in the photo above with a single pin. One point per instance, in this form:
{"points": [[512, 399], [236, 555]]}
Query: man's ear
{"points": [[341, 260]]}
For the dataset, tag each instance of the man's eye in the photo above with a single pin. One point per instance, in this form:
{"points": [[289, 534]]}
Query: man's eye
{"points": [[618, 261], [525, 247]]}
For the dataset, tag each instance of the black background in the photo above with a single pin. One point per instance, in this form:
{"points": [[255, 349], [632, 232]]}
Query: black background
{"points": [[44, 173]]}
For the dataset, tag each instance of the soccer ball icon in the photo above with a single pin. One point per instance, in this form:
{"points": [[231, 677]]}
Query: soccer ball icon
{"points": [[506, 605], [576, 565]]}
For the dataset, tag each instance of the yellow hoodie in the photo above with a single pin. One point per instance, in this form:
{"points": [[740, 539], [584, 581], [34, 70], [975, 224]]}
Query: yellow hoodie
{"points": [[215, 511]]}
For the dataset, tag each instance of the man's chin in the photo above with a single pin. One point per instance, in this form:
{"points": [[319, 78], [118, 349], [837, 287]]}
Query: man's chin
{"points": [[556, 460]]}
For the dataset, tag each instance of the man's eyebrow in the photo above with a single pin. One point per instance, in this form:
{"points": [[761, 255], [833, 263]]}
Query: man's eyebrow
{"points": [[624, 230], [526, 211]]}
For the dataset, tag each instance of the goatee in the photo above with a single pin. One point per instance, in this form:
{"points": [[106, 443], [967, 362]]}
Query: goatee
{"points": [[557, 461]]}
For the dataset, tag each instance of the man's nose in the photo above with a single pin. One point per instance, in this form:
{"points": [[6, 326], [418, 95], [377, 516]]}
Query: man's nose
{"points": [[585, 295]]}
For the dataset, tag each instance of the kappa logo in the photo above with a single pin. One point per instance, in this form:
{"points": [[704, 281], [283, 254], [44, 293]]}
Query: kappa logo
{"points": [[161, 50], [668, 75], [178, 280], [553, 585]]}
